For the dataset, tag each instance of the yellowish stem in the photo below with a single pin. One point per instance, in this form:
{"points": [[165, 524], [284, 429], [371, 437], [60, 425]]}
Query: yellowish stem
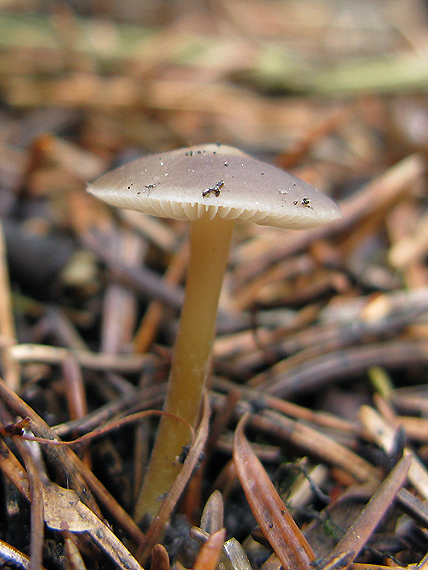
{"points": [[209, 252]]}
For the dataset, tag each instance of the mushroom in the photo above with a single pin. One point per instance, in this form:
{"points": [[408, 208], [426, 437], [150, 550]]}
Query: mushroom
{"points": [[212, 186]]}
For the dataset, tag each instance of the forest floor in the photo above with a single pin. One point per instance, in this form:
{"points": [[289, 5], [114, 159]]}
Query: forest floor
{"points": [[315, 429]]}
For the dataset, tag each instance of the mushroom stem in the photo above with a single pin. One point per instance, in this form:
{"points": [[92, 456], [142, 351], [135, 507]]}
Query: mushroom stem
{"points": [[209, 252]]}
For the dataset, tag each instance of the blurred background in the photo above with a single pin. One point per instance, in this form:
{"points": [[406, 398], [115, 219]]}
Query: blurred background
{"points": [[334, 89], [263, 75]]}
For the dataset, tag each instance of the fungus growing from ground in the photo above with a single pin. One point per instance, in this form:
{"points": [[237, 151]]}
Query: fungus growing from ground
{"points": [[212, 186]]}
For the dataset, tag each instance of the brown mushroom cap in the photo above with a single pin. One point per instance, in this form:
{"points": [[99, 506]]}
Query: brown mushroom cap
{"points": [[212, 180]]}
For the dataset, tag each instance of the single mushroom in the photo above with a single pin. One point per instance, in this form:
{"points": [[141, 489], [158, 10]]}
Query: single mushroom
{"points": [[212, 186]]}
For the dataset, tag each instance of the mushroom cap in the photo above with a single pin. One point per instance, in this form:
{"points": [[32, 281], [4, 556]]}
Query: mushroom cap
{"points": [[214, 180]]}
